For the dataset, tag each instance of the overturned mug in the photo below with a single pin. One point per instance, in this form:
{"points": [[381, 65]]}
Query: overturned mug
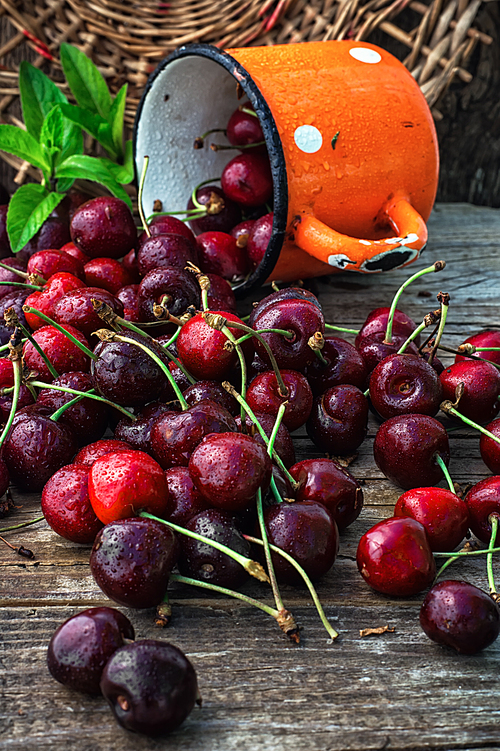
{"points": [[351, 142]]}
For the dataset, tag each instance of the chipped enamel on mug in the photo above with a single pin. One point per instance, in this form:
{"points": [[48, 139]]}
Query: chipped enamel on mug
{"points": [[351, 142]]}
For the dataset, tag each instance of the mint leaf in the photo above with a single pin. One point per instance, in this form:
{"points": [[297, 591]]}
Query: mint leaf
{"points": [[92, 168], [85, 81], [72, 142], [29, 207], [123, 173], [18, 142], [62, 186], [52, 132], [116, 116], [38, 95], [95, 125]]}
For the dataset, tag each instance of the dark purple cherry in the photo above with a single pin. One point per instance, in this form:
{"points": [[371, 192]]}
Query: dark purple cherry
{"points": [[403, 384], [306, 531], [127, 375], [283, 444], [338, 420], [35, 448], [174, 288], [185, 498], [376, 322], [459, 615], [200, 560], [343, 364], [131, 561], [326, 482], [88, 418], [302, 319], [161, 224], [214, 391], [222, 214], [168, 249], [81, 646], [150, 686], [175, 435], [373, 349], [405, 450], [103, 228], [54, 233]]}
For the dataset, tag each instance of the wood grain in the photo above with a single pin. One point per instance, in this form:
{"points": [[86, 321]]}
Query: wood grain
{"points": [[393, 691]]}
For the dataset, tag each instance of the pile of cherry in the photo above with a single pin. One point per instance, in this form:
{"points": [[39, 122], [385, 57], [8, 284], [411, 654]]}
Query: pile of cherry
{"points": [[200, 484]]}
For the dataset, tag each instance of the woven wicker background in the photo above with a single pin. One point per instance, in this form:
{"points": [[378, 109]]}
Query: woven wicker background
{"points": [[435, 39]]}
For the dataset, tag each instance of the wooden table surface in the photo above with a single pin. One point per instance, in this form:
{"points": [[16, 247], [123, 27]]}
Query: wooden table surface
{"points": [[398, 690]]}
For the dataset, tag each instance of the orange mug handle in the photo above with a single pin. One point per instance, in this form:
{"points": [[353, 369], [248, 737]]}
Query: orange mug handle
{"points": [[369, 256]]}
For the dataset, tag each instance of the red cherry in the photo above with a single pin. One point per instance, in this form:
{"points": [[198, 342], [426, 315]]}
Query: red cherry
{"points": [[481, 381], [482, 500], [376, 322], [66, 504], [489, 448], [220, 254], [263, 396], [483, 339], [46, 300], [228, 469], [247, 180], [444, 515], [64, 355], [244, 129], [107, 273], [326, 482], [46, 263], [344, 364], [93, 451], [338, 420], [394, 557], [104, 226], [123, 483], [259, 238]]}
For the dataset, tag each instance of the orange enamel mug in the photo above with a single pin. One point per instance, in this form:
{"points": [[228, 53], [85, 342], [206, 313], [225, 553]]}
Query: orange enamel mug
{"points": [[351, 141]]}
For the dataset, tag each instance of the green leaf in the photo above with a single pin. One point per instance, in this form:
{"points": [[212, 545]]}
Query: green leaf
{"points": [[91, 168], [85, 81], [72, 140], [94, 124], [38, 95], [29, 207], [63, 185], [18, 142], [123, 173], [52, 132], [116, 116]]}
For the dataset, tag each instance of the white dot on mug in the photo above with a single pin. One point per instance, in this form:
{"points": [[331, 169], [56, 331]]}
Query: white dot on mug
{"points": [[308, 138], [365, 55]]}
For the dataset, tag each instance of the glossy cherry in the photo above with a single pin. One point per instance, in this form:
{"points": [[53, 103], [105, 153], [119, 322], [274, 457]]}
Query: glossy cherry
{"points": [[150, 686], [405, 450], [66, 504], [167, 249], [338, 420], [394, 557], [307, 532], [482, 500], [404, 384], [489, 338], [444, 515], [229, 468], [131, 561], [481, 380], [263, 395], [343, 364], [326, 482], [247, 180], [221, 213], [459, 615], [103, 226], [82, 645], [186, 500]]}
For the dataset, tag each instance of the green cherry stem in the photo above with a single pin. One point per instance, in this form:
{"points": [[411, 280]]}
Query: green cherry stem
{"points": [[270, 449], [276, 458], [83, 394], [23, 524], [341, 329], [226, 331], [468, 355], [291, 628], [140, 193], [445, 472], [329, 628], [465, 553], [430, 319], [493, 519], [53, 372], [217, 322], [252, 567], [448, 408], [437, 266], [109, 336], [224, 591], [57, 414], [444, 299], [26, 285], [17, 365], [86, 350]]}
